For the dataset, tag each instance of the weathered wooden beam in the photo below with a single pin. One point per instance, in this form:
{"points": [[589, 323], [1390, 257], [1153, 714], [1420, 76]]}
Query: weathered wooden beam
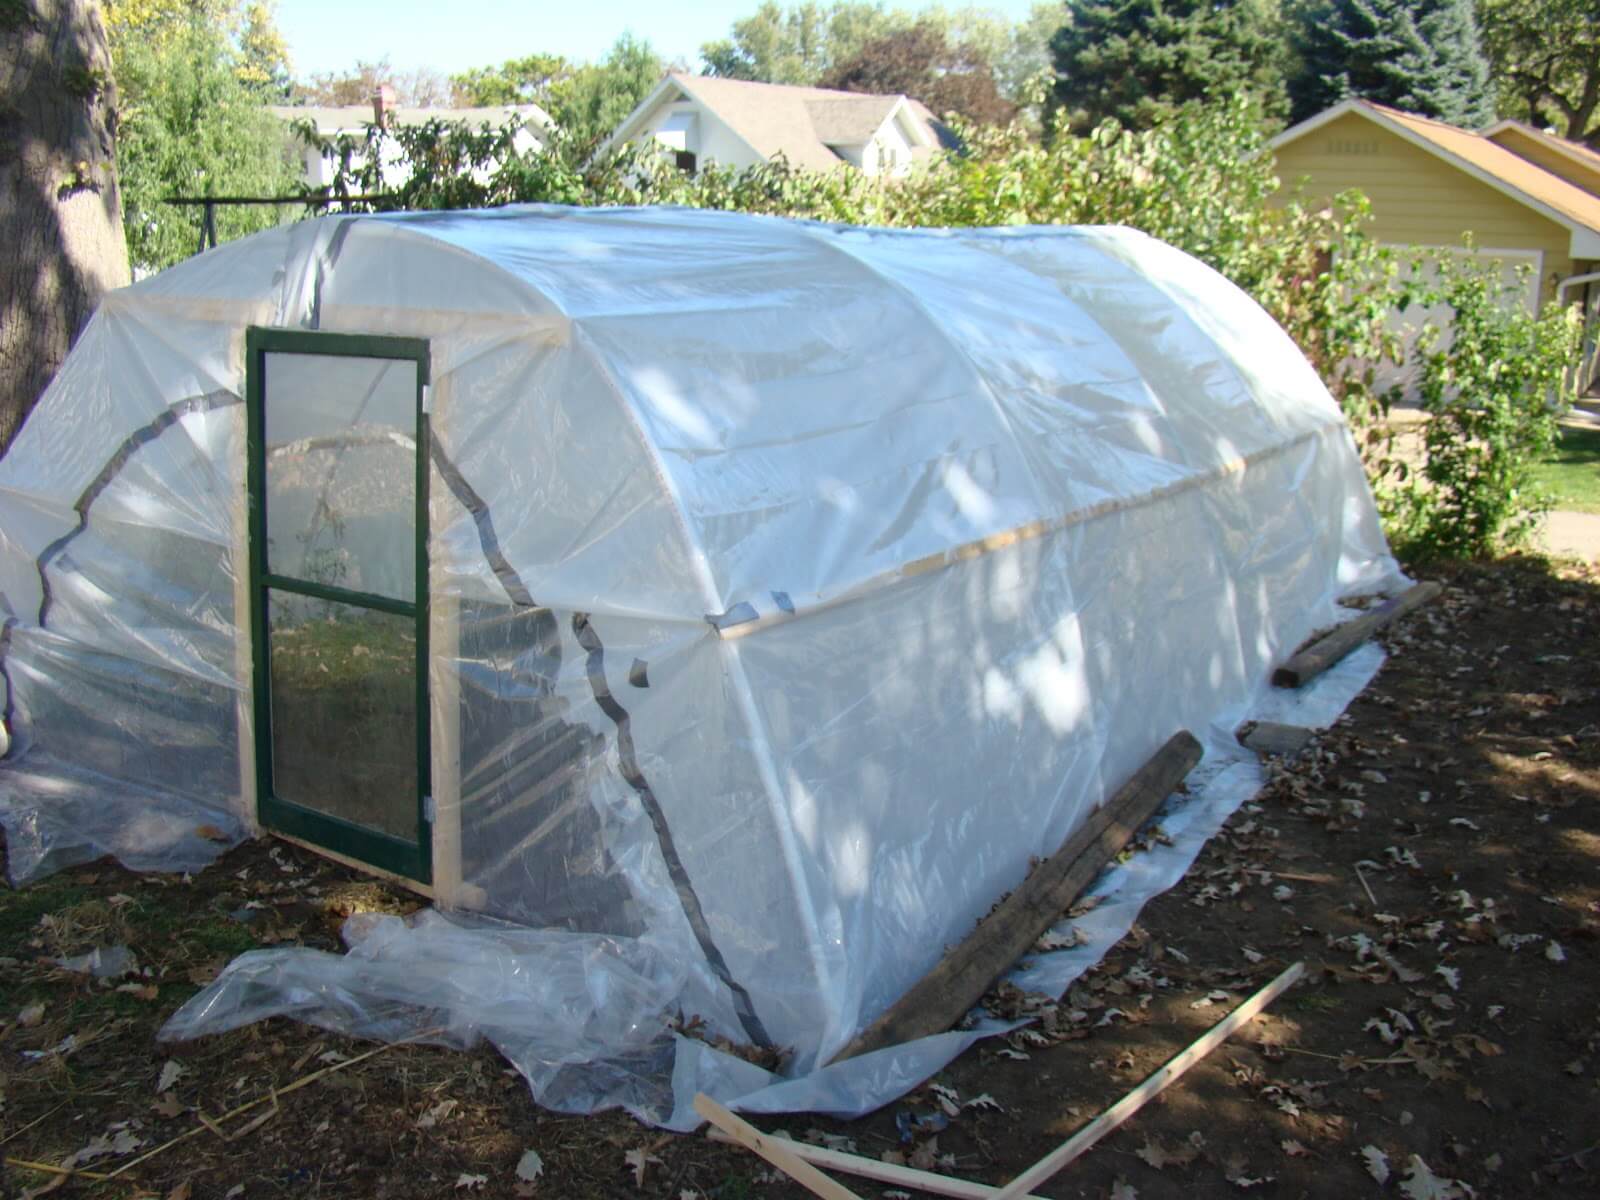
{"points": [[959, 980], [1329, 649]]}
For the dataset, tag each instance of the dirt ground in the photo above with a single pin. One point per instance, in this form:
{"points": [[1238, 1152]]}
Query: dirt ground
{"points": [[1434, 860]]}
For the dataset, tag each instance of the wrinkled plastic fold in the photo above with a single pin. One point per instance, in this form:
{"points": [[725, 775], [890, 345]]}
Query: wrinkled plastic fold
{"points": [[791, 587]]}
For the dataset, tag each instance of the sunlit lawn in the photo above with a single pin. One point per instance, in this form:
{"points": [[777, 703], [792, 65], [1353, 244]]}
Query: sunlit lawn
{"points": [[1572, 472]]}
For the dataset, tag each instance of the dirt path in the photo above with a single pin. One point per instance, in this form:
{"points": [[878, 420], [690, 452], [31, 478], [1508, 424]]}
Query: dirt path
{"points": [[1571, 535], [1448, 1029]]}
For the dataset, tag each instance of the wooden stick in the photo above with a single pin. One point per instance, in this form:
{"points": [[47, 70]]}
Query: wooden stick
{"points": [[958, 981], [1325, 651], [882, 1172], [1119, 1112], [11, 1137], [1366, 887], [47, 1169], [775, 1150], [271, 1097]]}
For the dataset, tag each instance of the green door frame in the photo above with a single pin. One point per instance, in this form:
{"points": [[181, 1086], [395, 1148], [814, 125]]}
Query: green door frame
{"points": [[412, 859]]}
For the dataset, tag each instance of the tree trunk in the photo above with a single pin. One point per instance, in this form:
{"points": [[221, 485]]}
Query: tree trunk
{"points": [[60, 211]]}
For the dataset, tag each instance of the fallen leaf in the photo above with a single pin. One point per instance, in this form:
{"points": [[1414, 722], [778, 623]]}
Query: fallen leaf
{"points": [[639, 1161], [167, 1106], [470, 1183], [530, 1166], [181, 1192], [212, 834], [926, 1156], [143, 991], [984, 1103], [1421, 1183], [1123, 1190], [1293, 1148], [31, 1016], [437, 1113], [1377, 1163], [171, 1072], [1554, 952]]}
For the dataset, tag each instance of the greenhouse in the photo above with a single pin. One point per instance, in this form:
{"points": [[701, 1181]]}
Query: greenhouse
{"points": [[751, 596]]}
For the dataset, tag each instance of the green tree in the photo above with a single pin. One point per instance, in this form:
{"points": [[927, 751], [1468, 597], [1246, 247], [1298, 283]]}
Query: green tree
{"points": [[592, 101], [1545, 58], [918, 62], [526, 80], [807, 42], [1423, 56], [1138, 60], [192, 125]]}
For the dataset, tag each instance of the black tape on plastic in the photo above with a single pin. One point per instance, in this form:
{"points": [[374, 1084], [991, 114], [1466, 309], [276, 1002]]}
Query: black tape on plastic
{"points": [[584, 631], [9, 710], [108, 473], [487, 538]]}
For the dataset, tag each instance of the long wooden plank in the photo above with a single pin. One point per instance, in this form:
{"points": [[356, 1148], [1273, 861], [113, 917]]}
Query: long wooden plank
{"points": [[959, 980], [1052, 1163], [882, 1172], [1325, 651], [777, 1151]]}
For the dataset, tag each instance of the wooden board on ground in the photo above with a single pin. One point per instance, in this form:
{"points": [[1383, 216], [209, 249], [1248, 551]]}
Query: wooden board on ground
{"points": [[959, 980], [1325, 651]]}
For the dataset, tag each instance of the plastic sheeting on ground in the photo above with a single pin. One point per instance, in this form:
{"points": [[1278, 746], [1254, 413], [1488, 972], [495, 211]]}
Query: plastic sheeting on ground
{"points": [[588, 1020], [789, 586]]}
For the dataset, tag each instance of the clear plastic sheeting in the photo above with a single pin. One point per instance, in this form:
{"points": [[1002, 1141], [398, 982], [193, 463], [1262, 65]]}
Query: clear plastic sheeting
{"points": [[790, 587], [592, 1022]]}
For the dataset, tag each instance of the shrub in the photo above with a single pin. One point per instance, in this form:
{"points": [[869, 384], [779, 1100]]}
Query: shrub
{"points": [[1494, 385]]}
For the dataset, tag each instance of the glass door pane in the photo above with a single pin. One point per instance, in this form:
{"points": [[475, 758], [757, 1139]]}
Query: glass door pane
{"points": [[344, 711], [341, 472]]}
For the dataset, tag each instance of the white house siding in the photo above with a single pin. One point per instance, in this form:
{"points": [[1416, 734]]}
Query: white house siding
{"points": [[684, 125]]}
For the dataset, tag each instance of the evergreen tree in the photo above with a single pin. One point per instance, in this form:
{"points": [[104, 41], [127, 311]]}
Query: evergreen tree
{"points": [[1137, 60], [1423, 56]]}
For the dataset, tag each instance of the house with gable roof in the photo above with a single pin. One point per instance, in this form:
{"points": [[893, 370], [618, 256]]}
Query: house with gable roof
{"points": [[1528, 198], [736, 123]]}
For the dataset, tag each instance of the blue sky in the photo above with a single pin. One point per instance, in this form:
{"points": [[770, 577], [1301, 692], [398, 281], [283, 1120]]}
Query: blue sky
{"points": [[330, 35]]}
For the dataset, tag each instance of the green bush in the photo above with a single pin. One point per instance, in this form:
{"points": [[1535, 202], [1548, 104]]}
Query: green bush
{"points": [[1494, 386]]}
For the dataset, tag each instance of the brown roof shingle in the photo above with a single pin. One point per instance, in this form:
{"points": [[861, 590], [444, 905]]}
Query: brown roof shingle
{"points": [[1531, 180]]}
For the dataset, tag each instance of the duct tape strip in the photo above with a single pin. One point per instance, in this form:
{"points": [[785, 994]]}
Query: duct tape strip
{"points": [[9, 710], [108, 474], [590, 641], [487, 538]]}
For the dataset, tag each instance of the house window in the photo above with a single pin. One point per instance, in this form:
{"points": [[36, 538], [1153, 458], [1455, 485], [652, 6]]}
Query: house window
{"points": [[685, 161]]}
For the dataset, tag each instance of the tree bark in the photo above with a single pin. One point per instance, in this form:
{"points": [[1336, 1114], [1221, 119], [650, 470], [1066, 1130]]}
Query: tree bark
{"points": [[60, 210]]}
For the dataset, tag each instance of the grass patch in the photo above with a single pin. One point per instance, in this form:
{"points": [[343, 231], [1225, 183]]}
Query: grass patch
{"points": [[1572, 472]]}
